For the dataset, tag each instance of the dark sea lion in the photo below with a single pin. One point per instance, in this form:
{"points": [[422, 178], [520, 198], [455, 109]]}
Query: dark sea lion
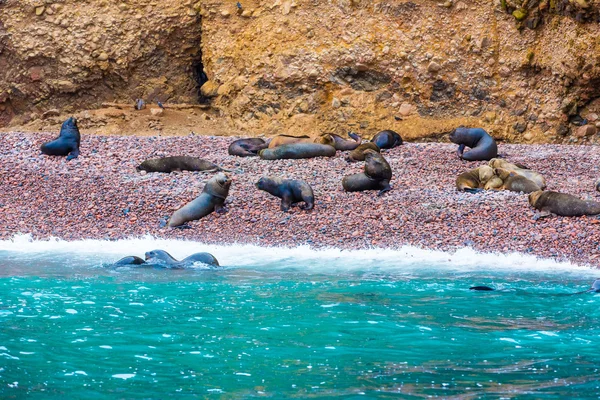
{"points": [[247, 147], [483, 146], [358, 154], [297, 151], [164, 259], [515, 182], [566, 205], [290, 191], [129, 260], [595, 288], [281, 140], [519, 169], [211, 199], [387, 139], [377, 175], [67, 142], [178, 163], [476, 179], [482, 288], [344, 144]]}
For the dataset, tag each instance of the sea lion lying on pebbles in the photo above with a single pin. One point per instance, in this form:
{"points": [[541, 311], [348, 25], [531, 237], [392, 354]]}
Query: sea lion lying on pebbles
{"points": [[387, 139], [549, 202], [247, 147], [164, 259], [519, 169], [211, 199], [344, 144], [477, 179], [515, 182], [297, 151], [67, 142], [178, 163], [358, 154], [281, 140], [377, 175], [290, 191], [483, 146]]}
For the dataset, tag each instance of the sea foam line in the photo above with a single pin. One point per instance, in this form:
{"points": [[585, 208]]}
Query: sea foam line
{"points": [[405, 258]]}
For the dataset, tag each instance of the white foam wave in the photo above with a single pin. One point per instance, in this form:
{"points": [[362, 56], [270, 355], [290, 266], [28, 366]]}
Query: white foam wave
{"points": [[405, 258]]}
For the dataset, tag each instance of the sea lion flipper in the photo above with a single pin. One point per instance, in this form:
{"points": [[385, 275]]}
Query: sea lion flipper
{"points": [[286, 202], [73, 154], [460, 150], [386, 188]]}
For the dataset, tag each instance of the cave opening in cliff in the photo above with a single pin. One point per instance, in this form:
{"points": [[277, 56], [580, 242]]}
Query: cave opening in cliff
{"points": [[201, 78]]}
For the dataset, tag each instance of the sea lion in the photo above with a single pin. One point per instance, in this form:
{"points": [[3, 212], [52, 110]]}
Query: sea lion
{"points": [[595, 288], [515, 182], [211, 199], [178, 163], [290, 191], [247, 147], [598, 185], [164, 259], [67, 142], [482, 288], [477, 179], [377, 175], [519, 169], [281, 140], [387, 139], [129, 260], [297, 151], [549, 202], [358, 154], [344, 144], [483, 146]]}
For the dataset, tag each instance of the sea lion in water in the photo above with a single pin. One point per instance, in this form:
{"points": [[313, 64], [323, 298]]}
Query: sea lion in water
{"points": [[515, 182], [162, 258], [281, 140], [344, 144], [358, 154], [549, 202], [297, 151], [483, 146], [290, 191], [129, 260], [519, 169], [387, 139], [247, 147], [477, 179], [595, 288], [178, 163], [211, 199], [377, 175], [67, 142]]}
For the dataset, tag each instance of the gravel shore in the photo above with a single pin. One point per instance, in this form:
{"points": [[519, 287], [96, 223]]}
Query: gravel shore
{"points": [[100, 195]]}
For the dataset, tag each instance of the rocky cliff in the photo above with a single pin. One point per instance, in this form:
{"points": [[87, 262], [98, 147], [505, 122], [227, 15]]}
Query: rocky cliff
{"points": [[525, 70]]}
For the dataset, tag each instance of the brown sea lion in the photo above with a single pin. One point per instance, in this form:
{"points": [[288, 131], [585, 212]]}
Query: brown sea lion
{"points": [[377, 175], [297, 151], [67, 142], [567, 205], [387, 139], [519, 169], [178, 163], [281, 140], [211, 199], [515, 182], [358, 154], [247, 147], [344, 144], [476, 179], [483, 146], [290, 191]]}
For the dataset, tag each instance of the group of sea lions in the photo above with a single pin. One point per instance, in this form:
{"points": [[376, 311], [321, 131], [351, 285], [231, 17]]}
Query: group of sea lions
{"points": [[502, 175], [162, 259]]}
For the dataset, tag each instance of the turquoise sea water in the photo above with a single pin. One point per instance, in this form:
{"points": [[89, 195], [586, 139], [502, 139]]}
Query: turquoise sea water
{"points": [[293, 324]]}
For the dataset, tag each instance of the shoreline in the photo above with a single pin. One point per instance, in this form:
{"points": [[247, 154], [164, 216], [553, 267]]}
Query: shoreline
{"points": [[100, 195]]}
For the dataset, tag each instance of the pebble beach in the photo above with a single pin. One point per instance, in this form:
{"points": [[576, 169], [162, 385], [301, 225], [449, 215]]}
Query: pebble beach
{"points": [[100, 195]]}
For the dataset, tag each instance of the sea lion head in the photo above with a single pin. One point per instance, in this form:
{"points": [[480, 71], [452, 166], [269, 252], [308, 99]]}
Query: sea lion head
{"points": [[503, 173], [218, 185], [69, 127], [495, 163], [485, 173], [158, 256], [457, 134], [595, 286], [534, 196], [223, 180], [262, 183]]}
